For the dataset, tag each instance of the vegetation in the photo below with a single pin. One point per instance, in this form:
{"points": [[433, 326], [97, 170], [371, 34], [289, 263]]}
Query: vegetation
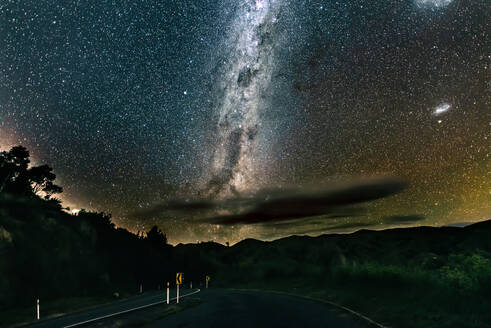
{"points": [[48, 253], [418, 277]]}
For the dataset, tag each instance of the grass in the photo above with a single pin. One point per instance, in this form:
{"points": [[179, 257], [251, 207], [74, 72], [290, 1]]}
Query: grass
{"points": [[455, 292]]}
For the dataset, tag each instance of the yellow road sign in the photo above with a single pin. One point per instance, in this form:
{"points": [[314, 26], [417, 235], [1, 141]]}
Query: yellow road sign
{"points": [[208, 278], [178, 278]]}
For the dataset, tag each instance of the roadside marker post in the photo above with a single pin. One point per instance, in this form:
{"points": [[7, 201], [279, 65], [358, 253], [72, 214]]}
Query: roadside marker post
{"points": [[37, 309], [207, 279], [191, 285], [167, 292], [178, 282]]}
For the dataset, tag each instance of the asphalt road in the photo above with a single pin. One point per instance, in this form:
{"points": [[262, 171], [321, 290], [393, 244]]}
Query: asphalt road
{"points": [[220, 308], [224, 308], [88, 316]]}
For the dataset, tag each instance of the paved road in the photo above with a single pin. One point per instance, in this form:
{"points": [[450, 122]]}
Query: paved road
{"points": [[223, 308], [73, 320]]}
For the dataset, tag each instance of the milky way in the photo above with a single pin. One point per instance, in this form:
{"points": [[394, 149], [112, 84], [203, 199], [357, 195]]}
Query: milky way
{"points": [[139, 103], [244, 87]]}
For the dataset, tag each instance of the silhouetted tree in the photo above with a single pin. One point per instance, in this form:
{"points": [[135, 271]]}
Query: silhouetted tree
{"points": [[41, 178], [101, 221], [17, 178], [13, 170], [156, 237]]}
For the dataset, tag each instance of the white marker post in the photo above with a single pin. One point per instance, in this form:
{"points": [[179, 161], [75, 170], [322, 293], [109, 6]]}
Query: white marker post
{"points": [[177, 298], [167, 292], [191, 285], [37, 309]]}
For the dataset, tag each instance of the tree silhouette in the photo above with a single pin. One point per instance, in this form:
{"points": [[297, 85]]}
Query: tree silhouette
{"points": [[13, 170], [17, 178], [41, 178], [100, 220], [156, 237]]}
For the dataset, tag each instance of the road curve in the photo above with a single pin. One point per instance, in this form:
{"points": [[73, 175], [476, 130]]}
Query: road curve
{"points": [[225, 308], [110, 310]]}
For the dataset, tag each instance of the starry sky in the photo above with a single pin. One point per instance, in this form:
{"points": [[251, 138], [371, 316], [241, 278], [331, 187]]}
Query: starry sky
{"points": [[137, 103]]}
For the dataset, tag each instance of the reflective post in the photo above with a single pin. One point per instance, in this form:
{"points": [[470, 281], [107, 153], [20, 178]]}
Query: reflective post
{"points": [[167, 292]]}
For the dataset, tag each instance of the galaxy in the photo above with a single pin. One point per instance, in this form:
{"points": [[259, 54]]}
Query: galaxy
{"points": [[441, 109], [199, 115]]}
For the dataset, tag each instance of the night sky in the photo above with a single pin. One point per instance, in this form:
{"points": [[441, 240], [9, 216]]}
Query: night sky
{"points": [[137, 103]]}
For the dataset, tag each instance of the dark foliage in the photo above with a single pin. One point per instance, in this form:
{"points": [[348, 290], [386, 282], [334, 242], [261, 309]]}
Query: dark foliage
{"points": [[16, 177], [156, 237], [48, 253]]}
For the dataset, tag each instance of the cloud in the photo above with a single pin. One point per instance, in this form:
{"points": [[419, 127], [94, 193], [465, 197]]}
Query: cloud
{"points": [[402, 219], [280, 205], [343, 227], [176, 205], [285, 206], [459, 224], [336, 213]]}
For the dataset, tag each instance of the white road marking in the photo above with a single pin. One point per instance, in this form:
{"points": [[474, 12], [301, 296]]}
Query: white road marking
{"points": [[126, 311]]}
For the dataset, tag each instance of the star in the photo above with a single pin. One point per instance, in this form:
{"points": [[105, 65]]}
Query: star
{"points": [[221, 99]]}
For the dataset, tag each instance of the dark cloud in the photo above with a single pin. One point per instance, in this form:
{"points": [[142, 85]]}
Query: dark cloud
{"points": [[316, 225], [402, 219], [336, 213], [271, 206], [246, 76], [304, 202], [459, 224], [350, 225], [177, 205], [342, 227]]}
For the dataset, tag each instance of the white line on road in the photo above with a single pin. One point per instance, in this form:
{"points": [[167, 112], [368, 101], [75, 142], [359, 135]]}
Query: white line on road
{"points": [[126, 311]]}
